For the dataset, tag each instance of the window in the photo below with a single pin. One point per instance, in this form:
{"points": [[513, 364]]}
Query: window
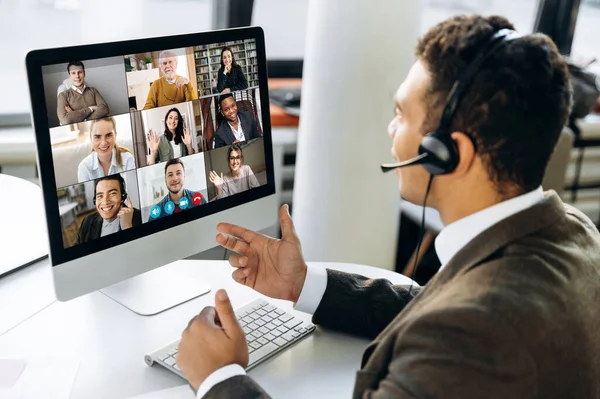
{"points": [[31, 24]]}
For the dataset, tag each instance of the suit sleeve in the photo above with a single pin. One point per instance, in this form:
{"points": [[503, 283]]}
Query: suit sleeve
{"points": [[456, 353], [102, 109], [219, 141], [360, 306], [152, 100], [240, 386], [253, 128], [74, 116]]}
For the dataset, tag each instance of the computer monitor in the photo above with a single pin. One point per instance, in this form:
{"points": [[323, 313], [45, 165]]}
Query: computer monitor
{"points": [[143, 147]]}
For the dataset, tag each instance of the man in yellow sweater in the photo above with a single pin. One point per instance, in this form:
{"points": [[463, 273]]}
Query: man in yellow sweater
{"points": [[80, 102], [170, 88]]}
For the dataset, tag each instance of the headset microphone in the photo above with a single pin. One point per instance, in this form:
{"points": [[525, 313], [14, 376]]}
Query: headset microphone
{"points": [[420, 159]]}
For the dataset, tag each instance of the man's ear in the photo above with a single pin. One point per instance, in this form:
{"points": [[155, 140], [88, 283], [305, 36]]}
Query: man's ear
{"points": [[466, 152]]}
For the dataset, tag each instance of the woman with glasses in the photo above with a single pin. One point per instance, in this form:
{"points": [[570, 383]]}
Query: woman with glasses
{"points": [[161, 149], [239, 178]]}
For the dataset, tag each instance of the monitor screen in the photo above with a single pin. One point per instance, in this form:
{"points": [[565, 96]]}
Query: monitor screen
{"points": [[141, 136]]}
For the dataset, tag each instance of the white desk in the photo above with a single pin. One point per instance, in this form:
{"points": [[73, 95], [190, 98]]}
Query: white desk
{"points": [[111, 341]]}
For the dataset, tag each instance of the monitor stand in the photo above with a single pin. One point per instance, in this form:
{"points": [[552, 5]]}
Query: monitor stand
{"points": [[158, 290]]}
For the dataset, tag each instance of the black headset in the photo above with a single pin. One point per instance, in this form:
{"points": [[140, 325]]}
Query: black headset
{"points": [[438, 153], [116, 177]]}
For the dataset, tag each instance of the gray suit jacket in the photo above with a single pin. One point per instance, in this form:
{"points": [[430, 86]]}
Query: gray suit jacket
{"points": [[514, 314]]}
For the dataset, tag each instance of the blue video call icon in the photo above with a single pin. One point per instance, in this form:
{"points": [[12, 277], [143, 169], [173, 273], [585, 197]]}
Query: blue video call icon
{"points": [[184, 203]]}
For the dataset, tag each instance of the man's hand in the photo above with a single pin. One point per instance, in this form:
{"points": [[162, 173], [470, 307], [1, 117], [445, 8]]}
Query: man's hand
{"points": [[212, 340], [93, 107], [227, 90], [125, 215], [235, 142], [273, 267], [68, 109], [181, 81]]}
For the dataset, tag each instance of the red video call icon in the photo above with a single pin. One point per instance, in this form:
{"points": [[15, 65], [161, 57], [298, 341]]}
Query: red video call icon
{"points": [[197, 198]]}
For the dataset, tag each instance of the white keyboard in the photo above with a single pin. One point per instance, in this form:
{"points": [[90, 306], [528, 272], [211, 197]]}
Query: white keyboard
{"points": [[269, 329]]}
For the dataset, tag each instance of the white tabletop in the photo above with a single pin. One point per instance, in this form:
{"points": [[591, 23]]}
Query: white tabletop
{"points": [[110, 341]]}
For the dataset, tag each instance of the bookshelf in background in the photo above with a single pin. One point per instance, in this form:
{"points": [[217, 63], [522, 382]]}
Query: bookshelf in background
{"points": [[208, 62]]}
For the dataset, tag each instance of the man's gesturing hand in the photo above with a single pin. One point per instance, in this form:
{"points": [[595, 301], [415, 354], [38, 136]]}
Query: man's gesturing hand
{"points": [[273, 267]]}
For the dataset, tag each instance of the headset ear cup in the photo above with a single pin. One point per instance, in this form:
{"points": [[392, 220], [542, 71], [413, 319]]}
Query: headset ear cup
{"points": [[442, 151]]}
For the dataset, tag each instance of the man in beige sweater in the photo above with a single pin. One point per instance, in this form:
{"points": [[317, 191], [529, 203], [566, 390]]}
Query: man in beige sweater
{"points": [[80, 102], [170, 88]]}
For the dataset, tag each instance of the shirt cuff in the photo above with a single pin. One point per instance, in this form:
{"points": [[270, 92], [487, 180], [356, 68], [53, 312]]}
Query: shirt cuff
{"points": [[313, 290], [220, 375]]}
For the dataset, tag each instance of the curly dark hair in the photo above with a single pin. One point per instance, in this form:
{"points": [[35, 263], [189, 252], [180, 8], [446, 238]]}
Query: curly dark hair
{"points": [[517, 104]]}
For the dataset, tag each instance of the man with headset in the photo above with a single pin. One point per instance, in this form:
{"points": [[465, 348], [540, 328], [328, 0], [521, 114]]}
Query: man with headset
{"points": [[114, 210], [513, 311]]}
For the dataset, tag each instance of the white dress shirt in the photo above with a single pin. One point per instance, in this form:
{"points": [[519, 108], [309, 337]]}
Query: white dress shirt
{"points": [[239, 133], [451, 239], [77, 90], [90, 167]]}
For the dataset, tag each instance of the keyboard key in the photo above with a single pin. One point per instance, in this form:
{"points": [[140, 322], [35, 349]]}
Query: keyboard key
{"points": [[255, 335], [262, 341], [269, 337], [293, 323], [172, 352], [267, 318], [263, 330], [299, 329], [277, 322], [262, 352], [269, 308], [286, 317], [176, 367], [170, 361], [255, 345], [259, 322], [288, 336], [270, 326], [253, 316], [247, 330], [295, 334], [310, 327], [282, 329], [163, 356], [253, 326], [280, 341], [279, 311], [247, 320], [261, 312]]}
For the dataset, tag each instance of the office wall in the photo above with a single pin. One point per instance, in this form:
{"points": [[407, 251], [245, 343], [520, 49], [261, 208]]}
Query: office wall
{"points": [[105, 74]]}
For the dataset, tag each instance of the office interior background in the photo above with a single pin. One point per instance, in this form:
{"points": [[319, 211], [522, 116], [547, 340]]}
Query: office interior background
{"points": [[30, 24]]}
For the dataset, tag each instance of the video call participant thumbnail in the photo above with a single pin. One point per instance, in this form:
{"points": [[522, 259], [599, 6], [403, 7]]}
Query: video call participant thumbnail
{"points": [[107, 157], [230, 76], [80, 102], [239, 178], [236, 126], [161, 149], [178, 198], [115, 211], [170, 88]]}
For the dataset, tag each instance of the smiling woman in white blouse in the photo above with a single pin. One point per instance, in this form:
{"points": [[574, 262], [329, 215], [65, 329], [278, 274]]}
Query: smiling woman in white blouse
{"points": [[107, 157]]}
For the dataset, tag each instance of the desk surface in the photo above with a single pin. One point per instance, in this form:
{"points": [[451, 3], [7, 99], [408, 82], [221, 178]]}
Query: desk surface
{"points": [[111, 341]]}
